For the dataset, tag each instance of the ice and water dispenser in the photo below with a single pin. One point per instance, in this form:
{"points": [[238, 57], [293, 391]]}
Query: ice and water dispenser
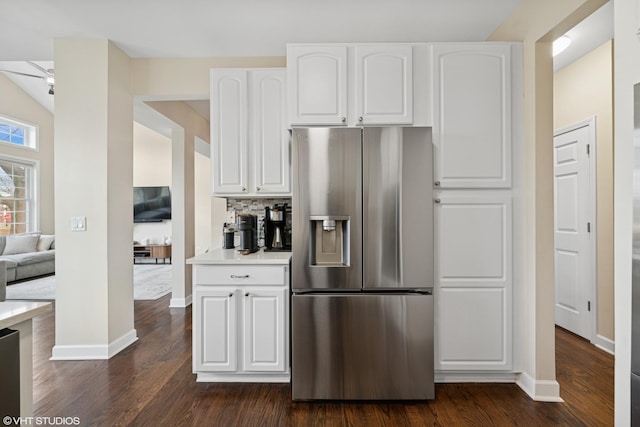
{"points": [[329, 241]]}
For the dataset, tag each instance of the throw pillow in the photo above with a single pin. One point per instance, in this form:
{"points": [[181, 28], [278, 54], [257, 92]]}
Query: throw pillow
{"points": [[44, 244], [21, 243]]}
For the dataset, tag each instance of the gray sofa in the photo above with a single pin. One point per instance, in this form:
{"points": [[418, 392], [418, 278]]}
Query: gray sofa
{"points": [[3, 281], [28, 255]]}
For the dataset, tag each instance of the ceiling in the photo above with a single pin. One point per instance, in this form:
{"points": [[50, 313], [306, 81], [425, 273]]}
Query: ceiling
{"points": [[214, 28], [210, 28]]}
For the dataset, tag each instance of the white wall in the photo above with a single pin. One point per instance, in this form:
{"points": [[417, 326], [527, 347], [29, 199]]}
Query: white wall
{"points": [[626, 74]]}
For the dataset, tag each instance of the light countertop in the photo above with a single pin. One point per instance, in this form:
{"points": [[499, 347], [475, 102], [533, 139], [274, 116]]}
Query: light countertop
{"points": [[14, 312], [232, 256]]}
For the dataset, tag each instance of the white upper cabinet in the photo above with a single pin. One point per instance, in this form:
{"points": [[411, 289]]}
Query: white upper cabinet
{"points": [[351, 85], [249, 135], [472, 115], [384, 90], [317, 84], [229, 131], [272, 169]]}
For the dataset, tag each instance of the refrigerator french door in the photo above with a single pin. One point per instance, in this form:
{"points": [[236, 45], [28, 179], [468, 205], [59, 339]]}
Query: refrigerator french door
{"points": [[362, 264], [635, 291]]}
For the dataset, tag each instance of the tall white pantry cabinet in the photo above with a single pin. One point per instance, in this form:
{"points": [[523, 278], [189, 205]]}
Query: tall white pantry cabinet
{"points": [[476, 91], [473, 103]]}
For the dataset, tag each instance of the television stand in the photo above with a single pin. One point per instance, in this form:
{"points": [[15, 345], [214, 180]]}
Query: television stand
{"points": [[162, 252]]}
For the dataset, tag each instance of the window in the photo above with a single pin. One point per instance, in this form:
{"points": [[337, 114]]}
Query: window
{"points": [[17, 196], [17, 133]]}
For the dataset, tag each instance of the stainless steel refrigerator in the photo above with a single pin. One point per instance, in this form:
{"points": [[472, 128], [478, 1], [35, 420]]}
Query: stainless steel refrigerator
{"points": [[635, 297], [362, 264]]}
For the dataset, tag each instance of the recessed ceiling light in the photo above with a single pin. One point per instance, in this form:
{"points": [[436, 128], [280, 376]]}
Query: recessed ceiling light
{"points": [[561, 44]]}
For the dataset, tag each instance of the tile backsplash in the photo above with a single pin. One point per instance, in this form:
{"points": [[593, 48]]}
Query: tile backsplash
{"points": [[254, 206]]}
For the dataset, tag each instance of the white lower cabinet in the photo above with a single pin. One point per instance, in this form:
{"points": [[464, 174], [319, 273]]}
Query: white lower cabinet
{"points": [[473, 289], [216, 322], [264, 313], [241, 332]]}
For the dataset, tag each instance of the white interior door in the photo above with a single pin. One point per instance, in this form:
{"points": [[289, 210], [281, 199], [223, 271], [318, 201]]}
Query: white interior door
{"points": [[574, 229]]}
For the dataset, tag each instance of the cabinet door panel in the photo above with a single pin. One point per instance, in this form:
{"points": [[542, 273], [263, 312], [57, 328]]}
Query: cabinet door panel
{"points": [[473, 329], [472, 115], [216, 321], [473, 263], [473, 237], [264, 329], [229, 131], [317, 84], [270, 136], [384, 90]]}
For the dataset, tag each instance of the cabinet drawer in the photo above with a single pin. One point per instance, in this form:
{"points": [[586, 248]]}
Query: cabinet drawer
{"points": [[239, 275]]}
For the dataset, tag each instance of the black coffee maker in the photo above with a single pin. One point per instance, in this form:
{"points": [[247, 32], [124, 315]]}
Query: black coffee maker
{"points": [[248, 226], [276, 229]]}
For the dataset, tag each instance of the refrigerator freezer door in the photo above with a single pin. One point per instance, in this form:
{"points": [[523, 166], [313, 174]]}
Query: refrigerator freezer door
{"points": [[362, 346], [398, 208], [327, 176]]}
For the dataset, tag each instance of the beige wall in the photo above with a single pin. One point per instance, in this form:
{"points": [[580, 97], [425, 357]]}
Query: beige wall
{"points": [[187, 126], [187, 78], [93, 179], [584, 89], [151, 157], [16, 104], [537, 23], [151, 167]]}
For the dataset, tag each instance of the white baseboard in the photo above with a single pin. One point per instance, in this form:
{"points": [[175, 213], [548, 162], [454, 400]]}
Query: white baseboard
{"points": [[207, 377], [180, 302], [539, 390], [474, 377], [605, 344], [94, 352]]}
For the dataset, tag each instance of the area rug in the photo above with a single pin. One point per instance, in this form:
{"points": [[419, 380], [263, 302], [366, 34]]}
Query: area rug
{"points": [[149, 282]]}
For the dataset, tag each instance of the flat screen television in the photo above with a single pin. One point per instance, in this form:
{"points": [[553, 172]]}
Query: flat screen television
{"points": [[151, 204]]}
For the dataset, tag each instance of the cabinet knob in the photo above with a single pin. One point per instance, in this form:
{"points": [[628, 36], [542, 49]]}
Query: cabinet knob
{"points": [[257, 188], [230, 294], [235, 276], [247, 294], [343, 119], [360, 119], [437, 183], [437, 200]]}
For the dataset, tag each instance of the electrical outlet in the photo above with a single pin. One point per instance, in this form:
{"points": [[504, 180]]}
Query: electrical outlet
{"points": [[231, 217]]}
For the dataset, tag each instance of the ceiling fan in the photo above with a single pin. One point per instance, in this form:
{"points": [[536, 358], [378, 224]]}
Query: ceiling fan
{"points": [[48, 75]]}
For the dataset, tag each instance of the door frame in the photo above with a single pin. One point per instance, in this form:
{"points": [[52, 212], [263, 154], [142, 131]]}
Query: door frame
{"points": [[591, 218]]}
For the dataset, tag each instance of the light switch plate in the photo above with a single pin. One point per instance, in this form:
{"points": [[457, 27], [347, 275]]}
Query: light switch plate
{"points": [[78, 223]]}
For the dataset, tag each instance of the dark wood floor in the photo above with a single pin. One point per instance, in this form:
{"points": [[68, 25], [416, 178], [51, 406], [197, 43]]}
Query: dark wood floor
{"points": [[151, 384]]}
